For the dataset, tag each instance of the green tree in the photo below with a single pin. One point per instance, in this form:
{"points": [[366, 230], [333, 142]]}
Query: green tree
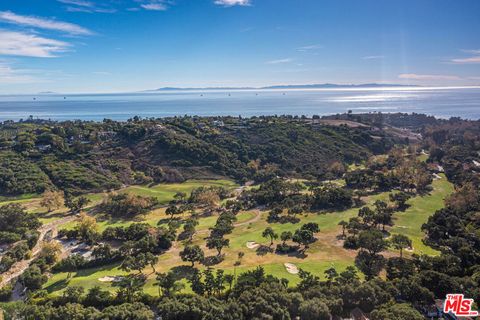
{"points": [[130, 286], [344, 225], [167, 284], [285, 236], [400, 242], [269, 233], [314, 309], [192, 253], [217, 243]]}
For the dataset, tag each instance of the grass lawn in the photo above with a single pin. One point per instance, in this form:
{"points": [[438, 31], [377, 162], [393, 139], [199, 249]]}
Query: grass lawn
{"points": [[165, 192], [421, 208]]}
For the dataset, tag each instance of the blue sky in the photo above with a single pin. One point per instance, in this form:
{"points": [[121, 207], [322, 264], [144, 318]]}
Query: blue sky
{"points": [[129, 45]]}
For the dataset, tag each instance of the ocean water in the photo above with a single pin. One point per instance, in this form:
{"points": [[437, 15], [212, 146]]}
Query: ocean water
{"points": [[440, 102]]}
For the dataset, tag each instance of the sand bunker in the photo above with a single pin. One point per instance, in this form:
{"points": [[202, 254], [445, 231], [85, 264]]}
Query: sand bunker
{"points": [[436, 176], [291, 268], [110, 279], [252, 245]]}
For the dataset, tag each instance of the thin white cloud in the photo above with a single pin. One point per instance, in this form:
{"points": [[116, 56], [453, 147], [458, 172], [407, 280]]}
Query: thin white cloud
{"points": [[472, 51], [467, 60], [79, 3], [474, 59], [231, 3], [373, 57], [428, 77], [154, 6], [11, 75], [30, 45], [279, 61], [42, 23], [309, 48]]}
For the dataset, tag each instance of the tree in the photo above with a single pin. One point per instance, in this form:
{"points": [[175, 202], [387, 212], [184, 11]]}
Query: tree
{"points": [[208, 198], [192, 254], [369, 263], [269, 233], [15, 221], [73, 294], [311, 226], [128, 311], [87, 228], [217, 243], [400, 242], [167, 284], [72, 264], [32, 278], [52, 200], [372, 241], [50, 251], [103, 252], [294, 211], [139, 262], [368, 216], [129, 286], [354, 226], [98, 298], [331, 273], [172, 210], [303, 237], [189, 228], [396, 312], [285, 236], [75, 205], [383, 214], [344, 225], [400, 199], [368, 260], [180, 196], [314, 309]]}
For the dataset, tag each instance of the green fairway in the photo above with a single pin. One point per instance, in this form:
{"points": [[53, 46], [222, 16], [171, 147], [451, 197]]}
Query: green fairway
{"points": [[165, 192], [410, 222]]}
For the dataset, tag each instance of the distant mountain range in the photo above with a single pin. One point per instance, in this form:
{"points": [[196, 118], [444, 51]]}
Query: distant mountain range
{"points": [[286, 87]]}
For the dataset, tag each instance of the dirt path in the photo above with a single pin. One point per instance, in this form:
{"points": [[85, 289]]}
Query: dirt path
{"points": [[18, 268]]}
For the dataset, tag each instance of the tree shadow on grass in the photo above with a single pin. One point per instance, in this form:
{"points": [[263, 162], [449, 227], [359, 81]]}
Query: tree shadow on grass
{"points": [[182, 272], [212, 260], [58, 285], [90, 271], [52, 215], [263, 250], [168, 220], [300, 254]]}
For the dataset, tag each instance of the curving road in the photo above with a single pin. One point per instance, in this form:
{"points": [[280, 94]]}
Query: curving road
{"points": [[19, 267]]}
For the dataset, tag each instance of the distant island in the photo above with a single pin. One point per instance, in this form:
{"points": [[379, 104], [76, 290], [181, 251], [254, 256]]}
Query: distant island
{"points": [[294, 86]]}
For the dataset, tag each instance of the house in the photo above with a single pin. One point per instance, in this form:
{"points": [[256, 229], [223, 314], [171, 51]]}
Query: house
{"points": [[218, 123], [44, 147]]}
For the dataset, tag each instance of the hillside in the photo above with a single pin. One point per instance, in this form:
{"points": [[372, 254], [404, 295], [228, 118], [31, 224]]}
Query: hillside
{"points": [[84, 157]]}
